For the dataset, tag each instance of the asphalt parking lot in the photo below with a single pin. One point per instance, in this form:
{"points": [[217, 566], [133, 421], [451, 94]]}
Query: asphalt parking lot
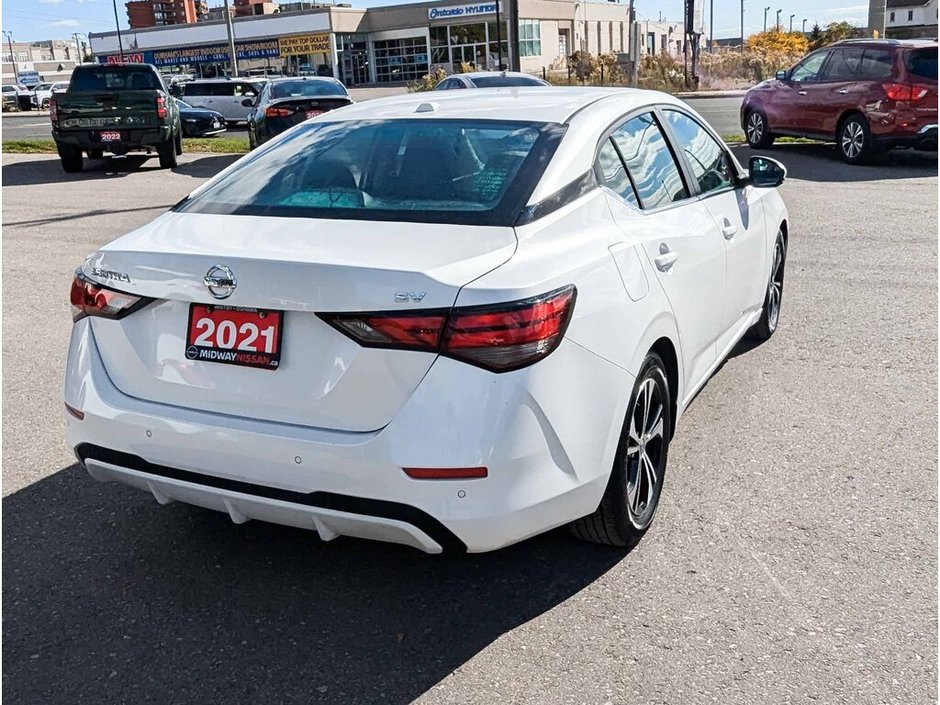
{"points": [[793, 559]]}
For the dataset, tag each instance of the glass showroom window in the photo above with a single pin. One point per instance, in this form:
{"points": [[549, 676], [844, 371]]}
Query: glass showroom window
{"points": [[530, 39], [400, 59]]}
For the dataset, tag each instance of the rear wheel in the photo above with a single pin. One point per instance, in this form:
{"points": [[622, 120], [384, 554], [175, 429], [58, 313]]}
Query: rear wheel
{"points": [[71, 158], [757, 131], [632, 495], [167, 153], [854, 140], [179, 144], [45, 103], [773, 298]]}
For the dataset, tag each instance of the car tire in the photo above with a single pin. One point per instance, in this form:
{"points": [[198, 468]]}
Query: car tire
{"points": [[167, 153], [178, 142], [96, 154], [629, 503], [71, 158], [45, 104], [853, 140], [757, 130], [773, 296]]}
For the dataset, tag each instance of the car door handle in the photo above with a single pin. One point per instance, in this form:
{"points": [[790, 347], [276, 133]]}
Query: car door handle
{"points": [[801, 92], [729, 230], [665, 261]]}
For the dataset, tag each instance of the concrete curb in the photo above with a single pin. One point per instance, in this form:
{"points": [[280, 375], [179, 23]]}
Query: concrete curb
{"points": [[711, 94]]}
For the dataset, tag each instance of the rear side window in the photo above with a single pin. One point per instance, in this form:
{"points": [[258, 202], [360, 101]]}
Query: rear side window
{"points": [[650, 162], [710, 164], [922, 63], [441, 171], [876, 63], [114, 78], [196, 89], [613, 174], [843, 65]]}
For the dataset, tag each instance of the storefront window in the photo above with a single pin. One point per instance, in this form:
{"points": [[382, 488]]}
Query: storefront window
{"points": [[400, 59], [467, 34], [439, 36], [530, 40]]}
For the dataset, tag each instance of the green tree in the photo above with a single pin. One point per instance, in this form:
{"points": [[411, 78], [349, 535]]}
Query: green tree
{"points": [[837, 31], [815, 36]]}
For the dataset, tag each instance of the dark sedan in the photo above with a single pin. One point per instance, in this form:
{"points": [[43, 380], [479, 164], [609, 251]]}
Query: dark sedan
{"points": [[199, 122], [285, 102]]}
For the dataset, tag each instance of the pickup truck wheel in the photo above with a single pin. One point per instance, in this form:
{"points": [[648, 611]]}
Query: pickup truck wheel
{"points": [[71, 158], [96, 154], [179, 144], [167, 153]]}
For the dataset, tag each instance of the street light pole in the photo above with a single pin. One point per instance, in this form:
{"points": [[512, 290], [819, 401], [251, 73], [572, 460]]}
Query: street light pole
{"points": [[711, 25], [117, 26], [777, 21], [766, 10], [233, 60], [804, 25], [16, 74], [791, 23], [742, 26]]}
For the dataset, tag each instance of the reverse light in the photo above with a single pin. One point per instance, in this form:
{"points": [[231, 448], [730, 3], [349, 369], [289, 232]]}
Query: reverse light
{"points": [[496, 337], [91, 299], [278, 112], [904, 91]]}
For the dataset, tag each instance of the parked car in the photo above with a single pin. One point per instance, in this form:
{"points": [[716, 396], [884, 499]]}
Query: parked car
{"points": [[450, 324], [223, 95], [199, 122], [489, 79], [117, 108], [43, 93], [16, 97], [285, 102], [868, 95]]}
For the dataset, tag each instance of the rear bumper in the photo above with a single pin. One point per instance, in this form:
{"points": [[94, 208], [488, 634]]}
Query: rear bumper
{"points": [[130, 139], [548, 453], [924, 138]]}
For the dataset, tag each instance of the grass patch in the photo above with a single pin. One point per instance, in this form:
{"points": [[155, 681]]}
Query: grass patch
{"points": [[195, 145]]}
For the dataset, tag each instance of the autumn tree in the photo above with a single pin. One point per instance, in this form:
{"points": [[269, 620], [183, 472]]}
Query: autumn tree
{"points": [[836, 32], [775, 41]]}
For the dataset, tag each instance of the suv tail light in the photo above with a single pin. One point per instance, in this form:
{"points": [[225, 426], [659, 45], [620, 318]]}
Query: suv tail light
{"points": [[904, 91], [53, 111], [91, 299], [161, 108], [278, 112], [498, 337]]}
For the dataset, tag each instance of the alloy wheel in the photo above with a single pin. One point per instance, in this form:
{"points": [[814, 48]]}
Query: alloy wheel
{"points": [[645, 452], [775, 288], [853, 139], [755, 128]]}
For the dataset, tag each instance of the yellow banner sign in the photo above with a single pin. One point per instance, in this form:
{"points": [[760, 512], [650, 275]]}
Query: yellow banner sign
{"points": [[304, 44]]}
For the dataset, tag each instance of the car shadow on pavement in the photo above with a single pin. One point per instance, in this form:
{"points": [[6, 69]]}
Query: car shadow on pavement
{"points": [[207, 167], [110, 598], [820, 162], [49, 171]]}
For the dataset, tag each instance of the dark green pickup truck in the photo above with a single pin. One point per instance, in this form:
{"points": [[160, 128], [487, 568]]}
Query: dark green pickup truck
{"points": [[117, 108]]}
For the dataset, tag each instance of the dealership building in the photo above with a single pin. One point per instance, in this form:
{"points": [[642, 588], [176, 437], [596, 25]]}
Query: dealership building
{"points": [[393, 43]]}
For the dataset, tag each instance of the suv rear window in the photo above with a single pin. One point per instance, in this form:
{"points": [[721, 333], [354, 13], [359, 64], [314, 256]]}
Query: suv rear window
{"points": [[504, 81], [114, 78], [922, 63], [473, 172], [305, 89]]}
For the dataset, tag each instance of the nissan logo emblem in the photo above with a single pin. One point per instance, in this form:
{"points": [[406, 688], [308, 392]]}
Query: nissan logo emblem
{"points": [[220, 281]]}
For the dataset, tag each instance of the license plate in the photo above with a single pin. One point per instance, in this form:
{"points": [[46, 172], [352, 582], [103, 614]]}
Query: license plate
{"points": [[314, 113], [248, 337], [110, 136]]}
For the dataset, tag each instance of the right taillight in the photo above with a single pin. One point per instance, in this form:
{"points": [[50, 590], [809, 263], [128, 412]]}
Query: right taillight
{"points": [[496, 337], [161, 108], [53, 111], [91, 299], [904, 91], [278, 112]]}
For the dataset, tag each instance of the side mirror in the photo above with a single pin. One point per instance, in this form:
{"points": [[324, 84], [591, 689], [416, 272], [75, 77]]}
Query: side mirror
{"points": [[766, 172], [248, 103], [781, 75]]}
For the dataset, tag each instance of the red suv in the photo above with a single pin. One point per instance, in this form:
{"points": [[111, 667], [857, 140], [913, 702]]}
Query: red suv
{"points": [[866, 94]]}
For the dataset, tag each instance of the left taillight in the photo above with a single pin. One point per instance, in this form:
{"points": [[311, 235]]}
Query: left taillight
{"points": [[161, 108], [91, 299], [498, 337]]}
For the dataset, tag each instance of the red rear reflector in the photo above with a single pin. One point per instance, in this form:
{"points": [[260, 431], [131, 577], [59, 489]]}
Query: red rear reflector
{"points": [[446, 473], [90, 299], [75, 412], [278, 112], [497, 337]]}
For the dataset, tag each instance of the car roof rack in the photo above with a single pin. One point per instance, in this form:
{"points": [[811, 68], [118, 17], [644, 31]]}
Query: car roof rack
{"points": [[868, 40]]}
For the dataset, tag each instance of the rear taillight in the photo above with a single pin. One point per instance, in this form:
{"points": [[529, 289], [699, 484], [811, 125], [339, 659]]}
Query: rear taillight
{"points": [[53, 111], [498, 337], [278, 112], [161, 108], [90, 299], [904, 91]]}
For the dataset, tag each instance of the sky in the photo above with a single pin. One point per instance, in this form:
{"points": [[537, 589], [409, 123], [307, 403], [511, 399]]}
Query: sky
{"points": [[32, 20]]}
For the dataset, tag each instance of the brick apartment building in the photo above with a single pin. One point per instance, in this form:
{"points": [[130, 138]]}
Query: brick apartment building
{"points": [[161, 13]]}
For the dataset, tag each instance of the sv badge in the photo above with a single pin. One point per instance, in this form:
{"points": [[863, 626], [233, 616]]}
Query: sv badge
{"points": [[404, 297]]}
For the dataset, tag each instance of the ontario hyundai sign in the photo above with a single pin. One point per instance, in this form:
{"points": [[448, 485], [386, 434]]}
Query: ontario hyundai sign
{"points": [[458, 11]]}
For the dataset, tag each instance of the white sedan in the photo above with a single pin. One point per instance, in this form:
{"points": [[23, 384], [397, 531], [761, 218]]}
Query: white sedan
{"points": [[448, 321]]}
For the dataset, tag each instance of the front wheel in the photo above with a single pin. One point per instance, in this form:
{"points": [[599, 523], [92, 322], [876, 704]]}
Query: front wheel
{"points": [[167, 153], [757, 131], [636, 480], [773, 298], [71, 158]]}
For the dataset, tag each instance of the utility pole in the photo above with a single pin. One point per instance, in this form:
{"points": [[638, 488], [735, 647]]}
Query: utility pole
{"points": [[634, 45], [233, 60], [711, 25], [804, 25], [766, 10], [742, 26], [78, 45], [791, 23], [777, 21], [16, 74], [513, 35], [117, 27], [499, 41]]}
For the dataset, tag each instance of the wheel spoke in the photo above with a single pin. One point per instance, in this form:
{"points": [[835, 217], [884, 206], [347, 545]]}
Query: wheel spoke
{"points": [[650, 478], [657, 430], [647, 399], [634, 497]]}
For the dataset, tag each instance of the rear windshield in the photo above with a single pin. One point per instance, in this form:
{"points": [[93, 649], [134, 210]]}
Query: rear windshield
{"points": [[114, 78], [474, 172], [501, 81], [922, 63], [305, 89]]}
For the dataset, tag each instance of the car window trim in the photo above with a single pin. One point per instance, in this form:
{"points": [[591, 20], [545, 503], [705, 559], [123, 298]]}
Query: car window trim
{"points": [[699, 194]]}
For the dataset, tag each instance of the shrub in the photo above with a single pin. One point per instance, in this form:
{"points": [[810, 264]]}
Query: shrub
{"points": [[428, 82]]}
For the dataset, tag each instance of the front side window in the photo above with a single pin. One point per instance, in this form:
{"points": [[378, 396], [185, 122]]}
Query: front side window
{"points": [[650, 162], [445, 171], [711, 166], [809, 68], [612, 173]]}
